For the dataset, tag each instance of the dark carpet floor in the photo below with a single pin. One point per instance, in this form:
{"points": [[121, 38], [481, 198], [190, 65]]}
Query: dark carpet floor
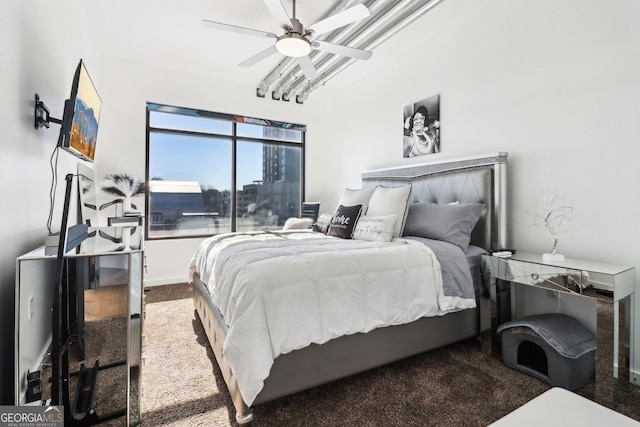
{"points": [[457, 385]]}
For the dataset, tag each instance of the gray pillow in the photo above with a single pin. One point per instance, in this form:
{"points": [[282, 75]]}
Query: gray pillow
{"points": [[449, 223]]}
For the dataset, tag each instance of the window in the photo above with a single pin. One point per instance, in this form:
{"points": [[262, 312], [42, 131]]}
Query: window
{"points": [[211, 173]]}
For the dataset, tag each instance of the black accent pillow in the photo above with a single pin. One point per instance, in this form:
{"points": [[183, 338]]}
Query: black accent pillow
{"points": [[344, 221]]}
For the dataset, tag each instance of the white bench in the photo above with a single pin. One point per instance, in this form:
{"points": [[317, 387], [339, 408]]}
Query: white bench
{"points": [[558, 407]]}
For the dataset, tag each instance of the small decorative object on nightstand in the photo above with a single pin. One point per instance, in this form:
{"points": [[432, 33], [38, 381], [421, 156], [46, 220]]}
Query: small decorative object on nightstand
{"points": [[552, 257], [554, 218]]}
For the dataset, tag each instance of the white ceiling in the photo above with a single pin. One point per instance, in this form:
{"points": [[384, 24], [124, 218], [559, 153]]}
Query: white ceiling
{"points": [[169, 33]]}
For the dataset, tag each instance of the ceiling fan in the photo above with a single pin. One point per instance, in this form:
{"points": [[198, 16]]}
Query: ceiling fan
{"points": [[297, 41]]}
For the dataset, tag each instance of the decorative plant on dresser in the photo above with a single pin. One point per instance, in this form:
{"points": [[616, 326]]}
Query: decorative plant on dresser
{"points": [[552, 216], [125, 186]]}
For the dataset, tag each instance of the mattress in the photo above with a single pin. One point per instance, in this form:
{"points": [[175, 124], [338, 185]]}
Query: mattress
{"points": [[281, 291]]}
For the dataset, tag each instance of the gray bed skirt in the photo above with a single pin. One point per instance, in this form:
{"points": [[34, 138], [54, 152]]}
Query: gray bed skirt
{"points": [[338, 358]]}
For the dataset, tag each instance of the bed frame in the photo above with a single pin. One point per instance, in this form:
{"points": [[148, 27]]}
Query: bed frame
{"points": [[480, 179]]}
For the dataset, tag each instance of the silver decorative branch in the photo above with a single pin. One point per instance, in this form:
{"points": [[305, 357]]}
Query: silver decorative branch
{"points": [[547, 214]]}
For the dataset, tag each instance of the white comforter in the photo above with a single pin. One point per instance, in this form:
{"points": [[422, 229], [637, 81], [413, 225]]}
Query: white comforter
{"points": [[279, 292]]}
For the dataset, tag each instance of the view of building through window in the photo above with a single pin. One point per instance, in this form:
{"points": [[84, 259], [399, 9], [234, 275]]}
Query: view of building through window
{"points": [[192, 157]]}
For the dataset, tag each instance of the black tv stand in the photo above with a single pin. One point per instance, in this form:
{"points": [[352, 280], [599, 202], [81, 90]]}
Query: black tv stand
{"points": [[86, 388], [82, 412]]}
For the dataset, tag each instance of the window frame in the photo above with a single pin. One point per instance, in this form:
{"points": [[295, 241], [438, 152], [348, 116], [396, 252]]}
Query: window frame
{"points": [[234, 138]]}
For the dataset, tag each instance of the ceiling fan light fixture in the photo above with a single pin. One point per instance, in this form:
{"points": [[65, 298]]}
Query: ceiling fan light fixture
{"points": [[293, 45]]}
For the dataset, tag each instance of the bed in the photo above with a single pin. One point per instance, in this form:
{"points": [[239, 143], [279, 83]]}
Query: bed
{"points": [[303, 354]]}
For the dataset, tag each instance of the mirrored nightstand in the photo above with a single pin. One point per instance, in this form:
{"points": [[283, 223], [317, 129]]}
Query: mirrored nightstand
{"points": [[600, 295]]}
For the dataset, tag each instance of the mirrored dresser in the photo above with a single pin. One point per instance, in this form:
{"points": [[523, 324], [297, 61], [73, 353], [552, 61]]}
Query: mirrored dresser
{"points": [[102, 327]]}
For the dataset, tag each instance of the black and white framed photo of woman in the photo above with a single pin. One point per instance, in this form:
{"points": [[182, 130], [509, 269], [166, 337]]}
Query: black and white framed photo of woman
{"points": [[422, 127]]}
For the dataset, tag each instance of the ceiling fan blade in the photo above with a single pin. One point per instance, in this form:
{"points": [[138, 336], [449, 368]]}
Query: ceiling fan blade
{"points": [[340, 19], [307, 67], [234, 29], [278, 11], [342, 50], [259, 57]]}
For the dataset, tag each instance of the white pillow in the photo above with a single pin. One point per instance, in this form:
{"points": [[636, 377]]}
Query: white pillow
{"points": [[323, 222], [390, 201], [375, 228], [298, 224], [352, 197]]}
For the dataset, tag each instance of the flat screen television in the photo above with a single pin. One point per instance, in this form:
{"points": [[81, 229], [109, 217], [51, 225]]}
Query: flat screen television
{"points": [[79, 129]]}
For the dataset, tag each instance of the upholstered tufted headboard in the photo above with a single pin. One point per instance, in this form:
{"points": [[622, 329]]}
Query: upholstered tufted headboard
{"points": [[481, 179]]}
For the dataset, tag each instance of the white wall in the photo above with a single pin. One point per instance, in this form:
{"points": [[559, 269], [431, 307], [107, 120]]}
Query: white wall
{"points": [[554, 83], [41, 45]]}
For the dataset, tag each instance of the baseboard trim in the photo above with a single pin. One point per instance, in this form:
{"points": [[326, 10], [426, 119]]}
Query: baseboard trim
{"points": [[165, 281]]}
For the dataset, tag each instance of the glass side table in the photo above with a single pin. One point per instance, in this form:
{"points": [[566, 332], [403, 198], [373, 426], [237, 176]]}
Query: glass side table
{"points": [[609, 289]]}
